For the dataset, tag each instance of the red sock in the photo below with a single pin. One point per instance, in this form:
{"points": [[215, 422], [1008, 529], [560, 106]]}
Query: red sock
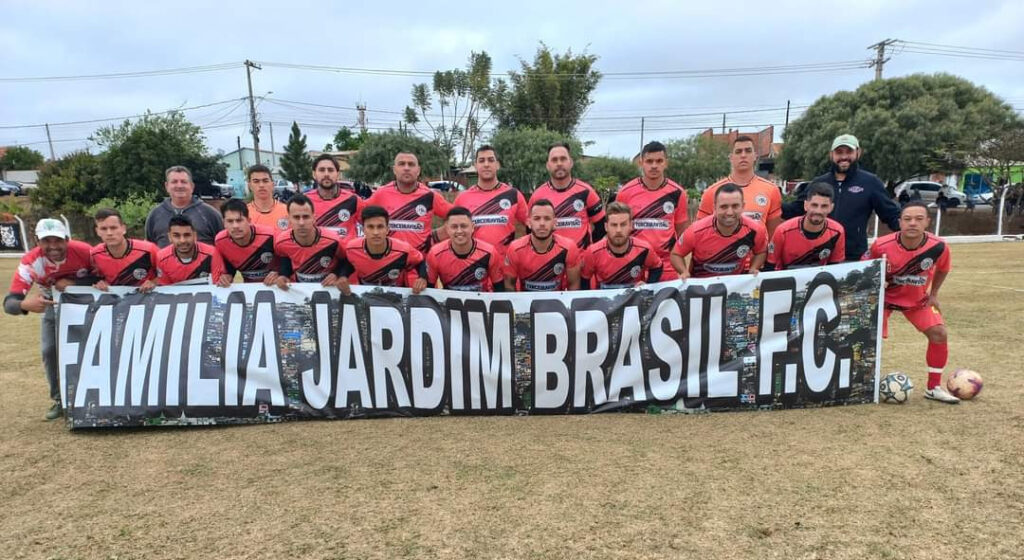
{"points": [[936, 359]]}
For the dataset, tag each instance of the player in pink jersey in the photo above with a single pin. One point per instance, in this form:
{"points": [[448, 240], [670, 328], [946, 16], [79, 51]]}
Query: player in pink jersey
{"points": [[723, 244], [658, 204], [916, 265], [578, 208], [499, 210], [411, 205], [619, 260], [542, 261], [335, 208]]}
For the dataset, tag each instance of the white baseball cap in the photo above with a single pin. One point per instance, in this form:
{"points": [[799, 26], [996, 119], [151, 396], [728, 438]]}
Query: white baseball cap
{"points": [[51, 227]]}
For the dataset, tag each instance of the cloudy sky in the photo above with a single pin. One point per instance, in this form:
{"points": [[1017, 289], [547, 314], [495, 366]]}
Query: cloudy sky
{"points": [[44, 39]]}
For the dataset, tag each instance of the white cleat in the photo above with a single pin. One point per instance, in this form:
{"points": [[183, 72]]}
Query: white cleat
{"points": [[940, 394]]}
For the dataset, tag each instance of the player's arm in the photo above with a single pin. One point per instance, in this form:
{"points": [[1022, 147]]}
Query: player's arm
{"points": [[772, 223], [441, 206], [218, 271], [760, 250], [839, 253], [284, 272], [677, 257], [707, 205], [682, 215], [757, 262], [775, 252], [417, 275], [887, 209], [933, 295], [774, 216]]}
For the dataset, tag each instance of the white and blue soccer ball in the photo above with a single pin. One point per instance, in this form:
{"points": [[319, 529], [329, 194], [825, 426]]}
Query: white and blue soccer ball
{"points": [[895, 388]]}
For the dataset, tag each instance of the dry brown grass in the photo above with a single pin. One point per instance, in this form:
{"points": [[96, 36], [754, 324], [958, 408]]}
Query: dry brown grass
{"points": [[924, 480]]}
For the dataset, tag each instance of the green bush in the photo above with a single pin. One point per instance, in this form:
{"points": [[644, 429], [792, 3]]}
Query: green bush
{"points": [[133, 211]]}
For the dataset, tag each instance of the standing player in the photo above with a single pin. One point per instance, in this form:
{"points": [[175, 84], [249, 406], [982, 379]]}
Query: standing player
{"points": [[335, 208], [462, 262], [54, 264], [620, 260], [542, 261], [577, 205], [244, 246], [264, 210], [762, 200], [411, 205], [916, 265], [379, 260], [306, 252], [186, 258], [811, 240], [119, 261], [658, 204], [498, 210], [723, 244]]}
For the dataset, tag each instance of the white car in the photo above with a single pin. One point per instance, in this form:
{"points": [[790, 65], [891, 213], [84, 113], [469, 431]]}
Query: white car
{"points": [[930, 190]]}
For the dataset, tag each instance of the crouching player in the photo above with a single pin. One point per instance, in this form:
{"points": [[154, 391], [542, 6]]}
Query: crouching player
{"points": [[917, 263], [379, 260], [619, 260], [462, 262]]}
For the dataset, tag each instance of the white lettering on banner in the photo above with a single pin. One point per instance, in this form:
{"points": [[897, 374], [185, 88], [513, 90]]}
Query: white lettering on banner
{"points": [[316, 381], [490, 367], [201, 391], [405, 225], [666, 347], [352, 372], [387, 362], [821, 309], [232, 349], [173, 384], [424, 323], [773, 340], [71, 315], [628, 369], [721, 383], [650, 223], [94, 373], [591, 329], [141, 359], [262, 371], [550, 372]]}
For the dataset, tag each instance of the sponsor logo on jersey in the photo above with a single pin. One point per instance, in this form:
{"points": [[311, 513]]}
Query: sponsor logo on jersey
{"points": [[668, 207], [266, 257], [577, 205], [405, 225], [824, 254], [480, 272], [344, 215], [505, 203], [761, 200], [855, 189], [310, 277], [635, 271], [421, 210], [650, 223], [742, 251], [926, 264], [535, 286], [558, 268], [325, 261], [757, 216], [490, 220], [721, 268], [569, 223], [282, 223], [139, 273], [910, 280], [394, 273]]}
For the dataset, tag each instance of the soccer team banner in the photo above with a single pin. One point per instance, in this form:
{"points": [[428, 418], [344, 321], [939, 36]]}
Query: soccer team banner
{"points": [[195, 355]]}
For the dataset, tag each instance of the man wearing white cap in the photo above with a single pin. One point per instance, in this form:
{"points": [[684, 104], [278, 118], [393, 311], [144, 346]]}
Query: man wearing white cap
{"points": [[56, 263], [857, 194]]}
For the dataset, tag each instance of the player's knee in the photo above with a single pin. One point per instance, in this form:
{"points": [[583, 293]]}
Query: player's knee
{"points": [[937, 334]]}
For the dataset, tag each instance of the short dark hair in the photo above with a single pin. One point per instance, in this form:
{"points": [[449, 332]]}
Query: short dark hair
{"points": [[299, 199], [180, 220], [486, 148], [565, 145], [741, 138], [258, 168], [234, 205], [652, 148], [104, 213], [460, 211], [728, 188], [540, 202], [326, 157], [821, 188], [375, 211], [914, 204]]}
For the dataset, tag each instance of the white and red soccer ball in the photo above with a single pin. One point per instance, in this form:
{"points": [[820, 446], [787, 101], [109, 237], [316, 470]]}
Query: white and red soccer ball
{"points": [[965, 384]]}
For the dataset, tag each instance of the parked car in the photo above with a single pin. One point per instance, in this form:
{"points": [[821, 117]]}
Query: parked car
{"points": [[284, 190], [444, 186], [981, 198], [930, 190], [10, 188], [226, 190]]}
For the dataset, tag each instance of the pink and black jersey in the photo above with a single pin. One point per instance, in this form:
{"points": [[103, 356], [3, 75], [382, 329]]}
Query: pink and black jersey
{"points": [[35, 268], [714, 254], [397, 266], [495, 213], [133, 268], [909, 272], [338, 214], [411, 214], [309, 263], [656, 212], [606, 269], [793, 247], [541, 272], [576, 207], [172, 269], [476, 271], [254, 260]]}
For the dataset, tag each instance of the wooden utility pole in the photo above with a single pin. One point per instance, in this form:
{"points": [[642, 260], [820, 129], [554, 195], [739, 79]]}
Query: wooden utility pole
{"points": [[53, 157], [254, 124], [880, 58]]}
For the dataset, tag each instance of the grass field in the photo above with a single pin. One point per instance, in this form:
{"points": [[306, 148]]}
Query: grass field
{"points": [[922, 480]]}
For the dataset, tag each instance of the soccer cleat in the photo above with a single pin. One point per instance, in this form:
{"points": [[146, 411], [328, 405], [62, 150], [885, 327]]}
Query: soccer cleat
{"points": [[54, 412], [940, 394]]}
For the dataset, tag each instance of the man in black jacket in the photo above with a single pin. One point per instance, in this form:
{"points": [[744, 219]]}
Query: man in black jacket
{"points": [[858, 193]]}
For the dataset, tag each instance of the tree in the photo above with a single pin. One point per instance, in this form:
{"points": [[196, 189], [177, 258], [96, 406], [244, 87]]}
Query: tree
{"points": [[21, 157], [173, 123], [606, 174], [994, 157], [376, 157], [523, 153], [346, 140], [460, 96], [553, 92], [697, 161], [72, 183], [296, 163], [902, 124]]}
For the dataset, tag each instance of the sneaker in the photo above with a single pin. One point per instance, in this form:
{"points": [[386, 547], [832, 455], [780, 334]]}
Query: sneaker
{"points": [[54, 412], [940, 394]]}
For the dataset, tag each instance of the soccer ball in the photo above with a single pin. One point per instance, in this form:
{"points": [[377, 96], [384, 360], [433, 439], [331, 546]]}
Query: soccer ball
{"points": [[964, 384], [895, 388]]}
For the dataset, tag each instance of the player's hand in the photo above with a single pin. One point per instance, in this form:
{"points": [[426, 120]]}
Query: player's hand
{"points": [[684, 275], [224, 281], [36, 303], [281, 282], [754, 271], [101, 285], [343, 286], [270, 279], [933, 301], [419, 285], [59, 285], [147, 286], [329, 280]]}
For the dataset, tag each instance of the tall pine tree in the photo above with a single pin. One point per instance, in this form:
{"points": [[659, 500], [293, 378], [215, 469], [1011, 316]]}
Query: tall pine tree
{"points": [[296, 163]]}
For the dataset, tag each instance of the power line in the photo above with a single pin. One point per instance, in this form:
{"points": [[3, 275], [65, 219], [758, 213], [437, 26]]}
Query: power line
{"points": [[119, 75], [91, 121]]}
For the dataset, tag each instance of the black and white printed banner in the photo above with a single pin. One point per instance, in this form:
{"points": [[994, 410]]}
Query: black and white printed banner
{"points": [[194, 355]]}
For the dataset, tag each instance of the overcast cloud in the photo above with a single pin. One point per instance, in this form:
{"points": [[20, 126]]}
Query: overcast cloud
{"points": [[44, 38]]}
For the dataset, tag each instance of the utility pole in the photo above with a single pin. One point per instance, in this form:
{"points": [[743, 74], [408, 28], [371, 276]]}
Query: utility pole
{"points": [[880, 58], [255, 125], [723, 123], [787, 113], [361, 107], [241, 162], [273, 151], [50, 141], [641, 133]]}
